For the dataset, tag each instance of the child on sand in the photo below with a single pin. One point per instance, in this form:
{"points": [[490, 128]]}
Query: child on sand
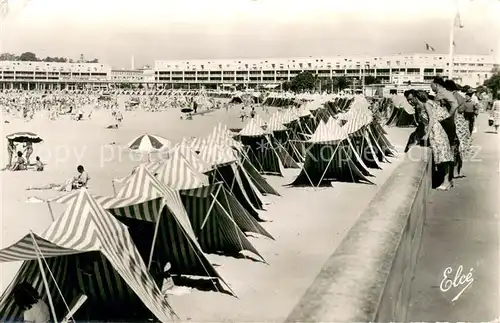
{"points": [[38, 164]]}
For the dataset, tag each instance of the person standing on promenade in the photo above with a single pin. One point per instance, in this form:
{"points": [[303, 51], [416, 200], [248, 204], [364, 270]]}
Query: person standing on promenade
{"points": [[495, 112], [461, 126], [447, 100], [430, 130], [470, 110]]}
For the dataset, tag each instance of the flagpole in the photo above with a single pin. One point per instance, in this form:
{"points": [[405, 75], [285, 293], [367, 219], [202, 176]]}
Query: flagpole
{"points": [[452, 40]]}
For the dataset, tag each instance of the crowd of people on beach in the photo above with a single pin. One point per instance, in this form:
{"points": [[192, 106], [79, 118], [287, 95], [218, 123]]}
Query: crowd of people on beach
{"points": [[445, 123]]}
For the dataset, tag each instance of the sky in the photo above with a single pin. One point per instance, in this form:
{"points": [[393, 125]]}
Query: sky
{"points": [[115, 30]]}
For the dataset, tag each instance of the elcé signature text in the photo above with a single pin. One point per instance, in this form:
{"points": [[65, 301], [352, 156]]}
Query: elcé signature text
{"points": [[450, 281]]}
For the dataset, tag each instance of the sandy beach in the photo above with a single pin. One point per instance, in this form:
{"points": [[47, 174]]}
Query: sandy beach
{"points": [[307, 223]]}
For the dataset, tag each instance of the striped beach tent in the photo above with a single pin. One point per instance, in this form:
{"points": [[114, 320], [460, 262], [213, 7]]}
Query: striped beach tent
{"points": [[226, 170], [260, 150], [148, 206], [330, 157], [222, 137], [248, 171], [403, 114], [279, 140], [386, 149], [176, 241], [197, 143], [217, 229], [356, 121], [192, 157], [287, 135], [85, 251]]}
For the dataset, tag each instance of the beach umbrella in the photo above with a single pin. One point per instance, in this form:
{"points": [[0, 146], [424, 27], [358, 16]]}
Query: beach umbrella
{"points": [[24, 137], [148, 143]]}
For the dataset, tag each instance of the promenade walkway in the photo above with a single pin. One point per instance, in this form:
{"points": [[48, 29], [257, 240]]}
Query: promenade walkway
{"points": [[462, 229]]}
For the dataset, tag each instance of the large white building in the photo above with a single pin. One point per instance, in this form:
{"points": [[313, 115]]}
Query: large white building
{"points": [[393, 70], [45, 75]]}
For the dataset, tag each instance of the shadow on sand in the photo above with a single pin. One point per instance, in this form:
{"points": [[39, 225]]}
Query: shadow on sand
{"points": [[202, 284]]}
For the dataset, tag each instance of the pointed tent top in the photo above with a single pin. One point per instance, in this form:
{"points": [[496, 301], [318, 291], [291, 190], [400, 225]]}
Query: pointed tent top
{"points": [[400, 101], [361, 103], [303, 111], [335, 130], [178, 174], [321, 134], [252, 129], [355, 121], [259, 121], [197, 143], [192, 158], [221, 131], [315, 105], [275, 124], [146, 187], [221, 135], [328, 132], [290, 115], [214, 155]]}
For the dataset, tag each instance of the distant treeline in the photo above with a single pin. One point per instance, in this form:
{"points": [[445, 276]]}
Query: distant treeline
{"points": [[31, 57]]}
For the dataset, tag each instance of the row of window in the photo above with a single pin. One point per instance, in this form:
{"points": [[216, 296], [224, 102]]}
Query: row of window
{"points": [[270, 72], [50, 73]]}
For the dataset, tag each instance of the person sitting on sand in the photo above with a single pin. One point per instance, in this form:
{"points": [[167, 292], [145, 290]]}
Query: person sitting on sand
{"points": [[81, 179], [38, 164], [20, 163]]}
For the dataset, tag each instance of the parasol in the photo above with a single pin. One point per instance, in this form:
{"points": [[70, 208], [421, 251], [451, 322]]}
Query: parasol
{"points": [[148, 143], [24, 137]]}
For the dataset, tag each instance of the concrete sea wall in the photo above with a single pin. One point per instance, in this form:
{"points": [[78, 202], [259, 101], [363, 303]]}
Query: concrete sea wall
{"points": [[368, 277]]}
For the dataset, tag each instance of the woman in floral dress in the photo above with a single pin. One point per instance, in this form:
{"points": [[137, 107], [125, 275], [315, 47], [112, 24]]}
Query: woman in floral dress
{"points": [[462, 127], [429, 116], [459, 138]]}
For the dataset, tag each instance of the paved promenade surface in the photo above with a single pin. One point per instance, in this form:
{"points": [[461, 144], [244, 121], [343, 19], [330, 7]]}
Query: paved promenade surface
{"points": [[462, 229]]}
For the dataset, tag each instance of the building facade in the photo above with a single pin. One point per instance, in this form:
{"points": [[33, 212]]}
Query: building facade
{"points": [[52, 76], [470, 70], [392, 70]]}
